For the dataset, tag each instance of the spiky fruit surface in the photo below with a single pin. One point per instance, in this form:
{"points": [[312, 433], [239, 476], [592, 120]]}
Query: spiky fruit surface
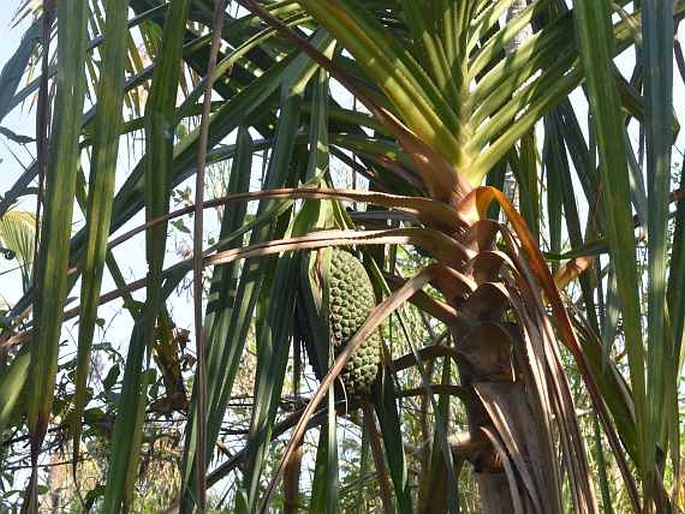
{"points": [[351, 300]]}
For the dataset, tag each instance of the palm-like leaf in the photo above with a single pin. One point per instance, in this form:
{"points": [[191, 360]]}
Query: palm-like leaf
{"points": [[454, 95], [17, 237]]}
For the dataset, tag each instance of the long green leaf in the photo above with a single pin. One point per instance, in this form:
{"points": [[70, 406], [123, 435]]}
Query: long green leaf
{"points": [[53, 257], [552, 149], [99, 210], [13, 70], [595, 37], [325, 484], [325, 494], [222, 302], [273, 333], [13, 378], [160, 130], [385, 405], [657, 51], [413, 93]]}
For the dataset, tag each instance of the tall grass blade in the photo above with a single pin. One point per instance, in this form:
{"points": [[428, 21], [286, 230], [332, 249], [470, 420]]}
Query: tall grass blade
{"points": [[13, 70], [596, 45], [223, 299], [200, 389], [53, 255], [657, 52], [99, 209], [160, 129]]}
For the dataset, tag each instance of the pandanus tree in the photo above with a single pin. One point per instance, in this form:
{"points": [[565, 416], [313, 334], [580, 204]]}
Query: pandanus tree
{"points": [[450, 102]]}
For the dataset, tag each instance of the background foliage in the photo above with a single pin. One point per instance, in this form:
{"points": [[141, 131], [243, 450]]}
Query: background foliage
{"points": [[365, 125]]}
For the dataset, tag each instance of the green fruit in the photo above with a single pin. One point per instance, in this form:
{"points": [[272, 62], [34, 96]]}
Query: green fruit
{"points": [[351, 300]]}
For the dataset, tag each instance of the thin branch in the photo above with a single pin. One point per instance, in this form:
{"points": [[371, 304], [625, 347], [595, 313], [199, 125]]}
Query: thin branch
{"points": [[427, 353], [42, 120], [379, 460], [443, 389], [198, 264]]}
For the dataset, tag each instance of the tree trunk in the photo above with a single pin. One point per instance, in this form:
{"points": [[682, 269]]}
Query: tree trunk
{"points": [[501, 402]]}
